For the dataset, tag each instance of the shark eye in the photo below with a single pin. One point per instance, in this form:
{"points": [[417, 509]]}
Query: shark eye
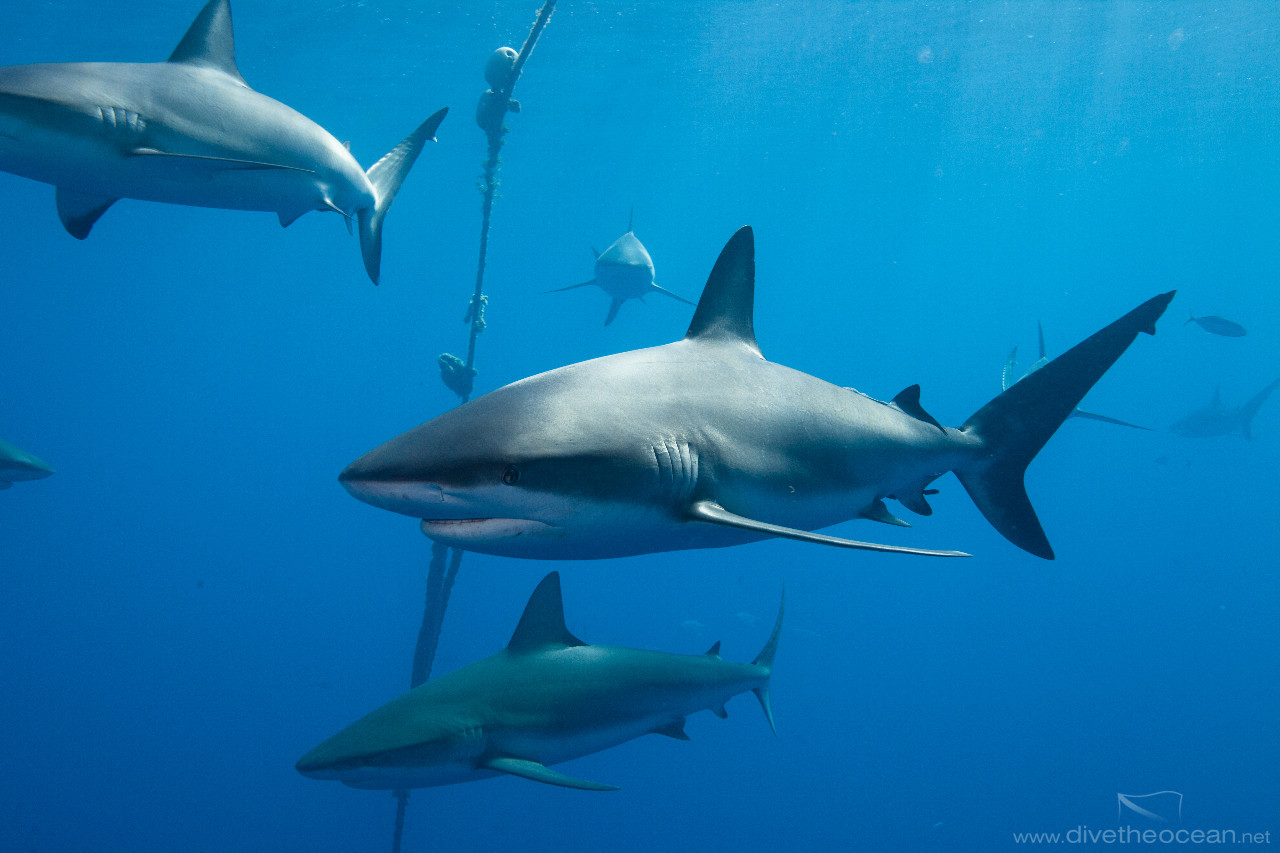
{"points": [[511, 476]]}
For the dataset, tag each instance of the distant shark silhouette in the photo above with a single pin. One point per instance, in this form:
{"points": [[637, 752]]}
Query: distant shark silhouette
{"points": [[1010, 376], [1216, 419], [624, 271], [188, 131], [547, 697], [17, 465], [703, 443]]}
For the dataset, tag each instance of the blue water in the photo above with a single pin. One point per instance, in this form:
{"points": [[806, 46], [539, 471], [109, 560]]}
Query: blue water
{"points": [[191, 601]]}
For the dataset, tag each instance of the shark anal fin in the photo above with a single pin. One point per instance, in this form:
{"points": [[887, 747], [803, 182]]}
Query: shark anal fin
{"points": [[713, 513], [877, 511], [541, 773], [908, 402], [79, 211], [674, 729], [223, 162], [720, 711]]}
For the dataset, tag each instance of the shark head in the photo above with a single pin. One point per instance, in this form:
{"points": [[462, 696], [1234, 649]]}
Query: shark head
{"points": [[625, 270], [17, 465], [535, 469]]}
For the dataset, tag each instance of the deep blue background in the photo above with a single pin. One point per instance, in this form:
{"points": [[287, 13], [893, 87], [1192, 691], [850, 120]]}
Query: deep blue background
{"points": [[192, 601]]}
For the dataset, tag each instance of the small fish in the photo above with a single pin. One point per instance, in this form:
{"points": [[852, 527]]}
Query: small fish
{"points": [[1216, 325]]}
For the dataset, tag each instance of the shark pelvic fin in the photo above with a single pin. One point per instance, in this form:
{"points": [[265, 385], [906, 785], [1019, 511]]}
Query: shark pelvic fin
{"points": [[387, 175], [541, 773], [209, 42], [542, 624], [674, 729], [713, 513], [1016, 425], [79, 211], [877, 511], [613, 310], [727, 307], [908, 402]]}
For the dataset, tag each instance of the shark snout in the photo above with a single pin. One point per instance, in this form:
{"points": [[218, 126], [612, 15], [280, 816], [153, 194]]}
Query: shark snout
{"points": [[391, 490]]}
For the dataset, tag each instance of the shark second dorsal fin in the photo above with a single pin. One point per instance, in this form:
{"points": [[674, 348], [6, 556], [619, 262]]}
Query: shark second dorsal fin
{"points": [[908, 402], [727, 306], [209, 42], [542, 624]]}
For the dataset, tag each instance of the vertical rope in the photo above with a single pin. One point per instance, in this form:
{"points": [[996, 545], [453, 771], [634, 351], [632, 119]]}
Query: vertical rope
{"points": [[459, 375]]}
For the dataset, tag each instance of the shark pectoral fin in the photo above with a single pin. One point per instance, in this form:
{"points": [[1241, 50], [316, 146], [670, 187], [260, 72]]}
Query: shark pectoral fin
{"points": [[1091, 416], [79, 211], [541, 773], [570, 287], [204, 163], [713, 513], [674, 729], [877, 511], [673, 295], [613, 310]]}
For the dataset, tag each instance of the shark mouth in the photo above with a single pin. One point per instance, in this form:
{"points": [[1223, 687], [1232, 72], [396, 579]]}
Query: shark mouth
{"points": [[481, 529]]}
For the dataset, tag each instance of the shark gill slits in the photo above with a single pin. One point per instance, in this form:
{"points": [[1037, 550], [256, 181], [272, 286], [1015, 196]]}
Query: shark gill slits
{"points": [[511, 476]]}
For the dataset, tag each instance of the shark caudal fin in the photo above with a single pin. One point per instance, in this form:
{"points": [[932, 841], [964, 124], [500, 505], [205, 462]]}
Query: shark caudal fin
{"points": [[764, 660], [387, 175], [1249, 409], [1015, 425]]}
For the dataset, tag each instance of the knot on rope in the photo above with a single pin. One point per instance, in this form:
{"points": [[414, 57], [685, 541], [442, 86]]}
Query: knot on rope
{"points": [[475, 312], [455, 374]]}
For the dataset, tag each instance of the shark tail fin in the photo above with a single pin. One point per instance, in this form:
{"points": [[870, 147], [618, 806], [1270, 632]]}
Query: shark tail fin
{"points": [[387, 175], [1249, 409], [1020, 421], [764, 660]]}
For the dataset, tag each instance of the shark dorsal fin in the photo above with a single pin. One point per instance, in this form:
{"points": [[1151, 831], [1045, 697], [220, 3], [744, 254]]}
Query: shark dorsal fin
{"points": [[727, 306], [542, 624], [209, 42]]}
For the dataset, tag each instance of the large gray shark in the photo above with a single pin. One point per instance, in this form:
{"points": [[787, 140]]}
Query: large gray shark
{"points": [[547, 697], [17, 465], [703, 443], [624, 271], [1010, 375], [1216, 419], [188, 131]]}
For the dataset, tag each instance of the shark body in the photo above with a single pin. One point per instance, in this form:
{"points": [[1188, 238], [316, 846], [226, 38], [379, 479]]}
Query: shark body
{"points": [[703, 443], [624, 271], [547, 697], [1217, 419], [17, 465], [188, 131]]}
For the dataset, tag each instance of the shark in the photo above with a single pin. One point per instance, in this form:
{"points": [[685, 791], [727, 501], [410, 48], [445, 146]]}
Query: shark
{"points": [[1009, 376], [624, 271], [546, 698], [189, 131], [1217, 419], [704, 443], [17, 465]]}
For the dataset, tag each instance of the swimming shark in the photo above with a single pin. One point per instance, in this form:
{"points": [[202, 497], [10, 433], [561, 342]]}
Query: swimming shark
{"points": [[17, 465], [1010, 375], [188, 131], [547, 697], [1216, 419], [624, 271], [703, 443]]}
